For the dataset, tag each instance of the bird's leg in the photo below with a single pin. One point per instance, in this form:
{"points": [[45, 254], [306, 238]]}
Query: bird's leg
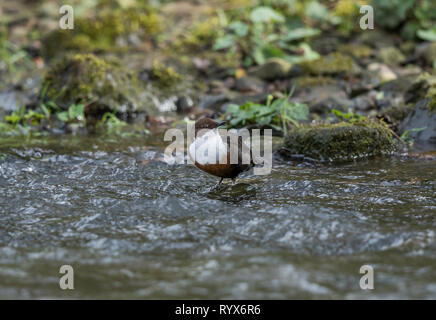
{"points": [[219, 183]]}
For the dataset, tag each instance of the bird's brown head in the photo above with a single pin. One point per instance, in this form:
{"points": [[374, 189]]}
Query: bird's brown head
{"points": [[207, 124]]}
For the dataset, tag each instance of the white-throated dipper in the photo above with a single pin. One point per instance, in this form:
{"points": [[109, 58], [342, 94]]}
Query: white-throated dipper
{"points": [[218, 163]]}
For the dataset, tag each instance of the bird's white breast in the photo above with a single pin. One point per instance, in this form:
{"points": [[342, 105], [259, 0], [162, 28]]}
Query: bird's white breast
{"points": [[208, 148]]}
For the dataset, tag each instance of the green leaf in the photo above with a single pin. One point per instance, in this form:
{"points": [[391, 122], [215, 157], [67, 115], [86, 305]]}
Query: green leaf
{"points": [[239, 28], [301, 33], [391, 13], [258, 55], [262, 53], [224, 42], [428, 35], [45, 110], [308, 54], [13, 119], [316, 11], [232, 108], [63, 116], [222, 17], [276, 127], [76, 111], [298, 111], [406, 134], [266, 14]]}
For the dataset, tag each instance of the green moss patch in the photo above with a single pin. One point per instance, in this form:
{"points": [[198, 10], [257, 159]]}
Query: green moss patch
{"points": [[357, 51], [164, 76], [101, 84], [201, 35], [342, 141], [332, 64], [102, 32]]}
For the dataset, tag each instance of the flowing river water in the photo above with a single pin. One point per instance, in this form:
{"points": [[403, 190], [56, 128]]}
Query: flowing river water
{"points": [[132, 226]]}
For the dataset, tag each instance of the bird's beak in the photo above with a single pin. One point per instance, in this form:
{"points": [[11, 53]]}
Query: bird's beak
{"points": [[221, 123]]}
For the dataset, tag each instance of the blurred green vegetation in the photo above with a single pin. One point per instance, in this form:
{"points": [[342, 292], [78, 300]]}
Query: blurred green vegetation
{"points": [[278, 114], [234, 35]]}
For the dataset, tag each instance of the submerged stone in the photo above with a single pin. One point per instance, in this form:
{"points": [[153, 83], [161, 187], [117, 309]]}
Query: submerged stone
{"points": [[102, 85], [342, 141]]}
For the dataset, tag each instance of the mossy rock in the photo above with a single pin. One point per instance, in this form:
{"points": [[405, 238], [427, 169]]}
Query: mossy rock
{"points": [[103, 32], [377, 38], [273, 68], [331, 64], [391, 56], [164, 76], [424, 87], [342, 141], [201, 35], [430, 54], [310, 81], [102, 84], [356, 50]]}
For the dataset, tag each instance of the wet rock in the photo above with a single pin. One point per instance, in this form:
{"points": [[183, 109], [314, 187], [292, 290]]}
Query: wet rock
{"points": [[322, 100], [364, 102], [422, 95], [325, 44], [424, 87], [382, 71], [322, 95], [184, 104], [366, 81], [391, 56], [15, 97], [103, 85], [391, 94], [399, 85], [429, 53], [274, 68], [376, 38], [296, 71], [408, 47], [217, 87], [394, 115], [256, 98], [249, 84], [214, 102], [8, 101], [332, 64], [423, 116], [340, 142], [311, 81]]}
